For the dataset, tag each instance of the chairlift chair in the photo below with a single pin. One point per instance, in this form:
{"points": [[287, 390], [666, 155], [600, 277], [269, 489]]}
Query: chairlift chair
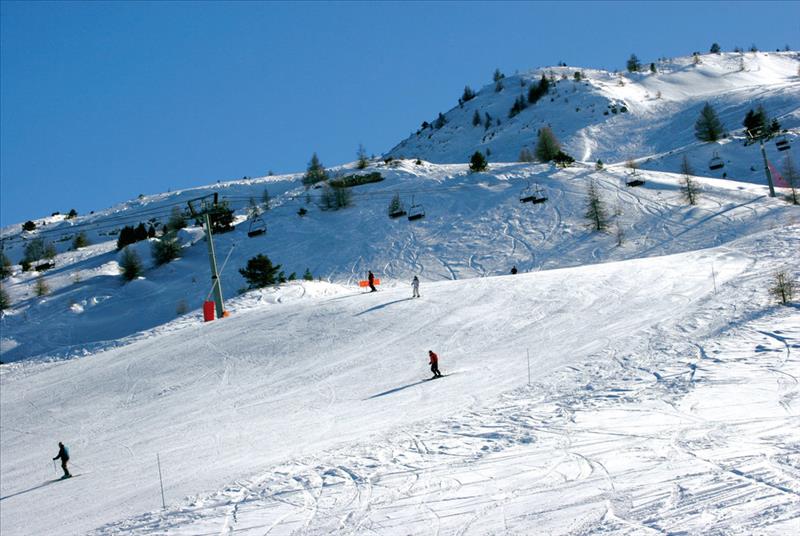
{"points": [[716, 163], [257, 227], [416, 212], [782, 144], [539, 197], [527, 195]]}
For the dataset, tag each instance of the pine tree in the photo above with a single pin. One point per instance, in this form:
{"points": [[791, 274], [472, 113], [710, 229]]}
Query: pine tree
{"points": [[598, 165], [708, 126], [126, 237], [497, 76], [307, 275], [140, 233], [538, 90], [487, 121], [260, 272], [80, 241], [38, 249], [477, 162], [525, 155], [468, 94], [5, 265], [595, 210], [130, 265], [5, 300], [689, 187], [476, 119], [151, 231], [72, 214], [519, 105], [653, 68], [547, 146], [28, 226], [362, 157], [441, 121], [165, 250], [715, 48], [315, 172], [633, 64], [756, 121], [177, 220], [221, 218]]}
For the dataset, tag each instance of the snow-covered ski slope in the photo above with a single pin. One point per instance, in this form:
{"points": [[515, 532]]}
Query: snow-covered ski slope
{"points": [[656, 404], [475, 226], [657, 128], [662, 394]]}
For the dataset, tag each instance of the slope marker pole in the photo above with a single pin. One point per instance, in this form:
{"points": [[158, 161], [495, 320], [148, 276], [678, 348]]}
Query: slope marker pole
{"points": [[163, 504], [529, 366]]}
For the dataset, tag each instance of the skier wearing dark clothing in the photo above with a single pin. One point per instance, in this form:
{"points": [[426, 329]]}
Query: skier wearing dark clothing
{"points": [[371, 279], [415, 287], [434, 363], [63, 453], [513, 270]]}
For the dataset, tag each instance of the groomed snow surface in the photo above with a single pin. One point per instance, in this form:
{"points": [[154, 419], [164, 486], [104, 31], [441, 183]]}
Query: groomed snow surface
{"points": [[655, 404]]}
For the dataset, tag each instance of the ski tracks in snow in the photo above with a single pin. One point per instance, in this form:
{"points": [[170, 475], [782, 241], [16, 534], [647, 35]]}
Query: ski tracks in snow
{"points": [[646, 442]]}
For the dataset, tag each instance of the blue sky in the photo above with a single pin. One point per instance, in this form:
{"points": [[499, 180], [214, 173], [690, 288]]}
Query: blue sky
{"points": [[100, 102]]}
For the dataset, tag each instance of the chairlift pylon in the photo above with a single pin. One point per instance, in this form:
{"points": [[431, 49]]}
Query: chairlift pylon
{"points": [[257, 226], [416, 212], [716, 162]]}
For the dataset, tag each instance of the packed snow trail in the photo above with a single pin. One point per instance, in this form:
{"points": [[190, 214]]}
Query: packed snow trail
{"points": [[292, 376]]}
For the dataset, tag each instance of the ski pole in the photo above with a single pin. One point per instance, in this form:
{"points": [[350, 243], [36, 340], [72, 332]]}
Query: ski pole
{"points": [[54, 467]]}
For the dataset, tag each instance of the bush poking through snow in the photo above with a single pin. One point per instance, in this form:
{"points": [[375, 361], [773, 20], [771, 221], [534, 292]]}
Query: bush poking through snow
{"points": [[80, 241], [28, 226], [166, 249], [38, 249], [478, 162], [131, 265], [782, 287], [260, 272], [563, 160], [362, 162], [41, 288]]}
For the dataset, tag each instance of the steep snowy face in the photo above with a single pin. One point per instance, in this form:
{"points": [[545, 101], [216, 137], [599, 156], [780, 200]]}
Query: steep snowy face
{"points": [[644, 116]]}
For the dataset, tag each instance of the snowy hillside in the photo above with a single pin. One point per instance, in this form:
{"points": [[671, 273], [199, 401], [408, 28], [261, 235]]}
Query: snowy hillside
{"points": [[633, 381], [656, 404], [475, 226], [615, 117]]}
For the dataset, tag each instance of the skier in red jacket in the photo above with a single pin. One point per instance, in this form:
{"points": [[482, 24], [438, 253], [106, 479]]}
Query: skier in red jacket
{"points": [[434, 363]]}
